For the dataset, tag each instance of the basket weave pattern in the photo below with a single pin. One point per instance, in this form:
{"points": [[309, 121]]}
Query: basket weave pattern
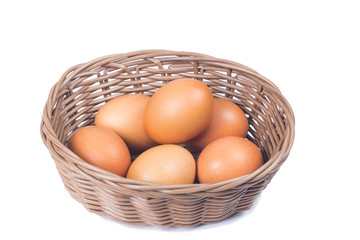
{"points": [[75, 99]]}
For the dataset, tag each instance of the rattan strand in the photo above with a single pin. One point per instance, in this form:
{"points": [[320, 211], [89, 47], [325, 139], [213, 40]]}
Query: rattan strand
{"points": [[83, 89]]}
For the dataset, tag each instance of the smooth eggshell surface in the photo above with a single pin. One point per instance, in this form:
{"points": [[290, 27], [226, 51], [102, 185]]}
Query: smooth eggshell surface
{"points": [[167, 164], [101, 147], [178, 111], [227, 158], [124, 115], [227, 120]]}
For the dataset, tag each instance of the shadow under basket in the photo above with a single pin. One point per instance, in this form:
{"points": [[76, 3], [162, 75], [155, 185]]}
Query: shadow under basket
{"points": [[75, 99]]}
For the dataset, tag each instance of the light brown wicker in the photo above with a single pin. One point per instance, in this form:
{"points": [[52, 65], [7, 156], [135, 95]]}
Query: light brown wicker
{"points": [[83, 89]]}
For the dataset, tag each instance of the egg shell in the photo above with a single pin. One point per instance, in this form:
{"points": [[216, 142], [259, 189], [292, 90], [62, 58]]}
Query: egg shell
{"points": [[227, 158], [178, 111], [124, 115], [101, 147], [166, 164], [227, 119]]}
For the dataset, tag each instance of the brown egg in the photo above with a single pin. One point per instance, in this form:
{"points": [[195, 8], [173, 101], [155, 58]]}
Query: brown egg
{"points": [[227, 120], [101, 147], [227, 158], [167, 164], [178, 111], [124, 115]]}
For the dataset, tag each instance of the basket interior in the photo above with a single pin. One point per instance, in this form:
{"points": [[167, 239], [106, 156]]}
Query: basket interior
{"points": [[88, 87]]}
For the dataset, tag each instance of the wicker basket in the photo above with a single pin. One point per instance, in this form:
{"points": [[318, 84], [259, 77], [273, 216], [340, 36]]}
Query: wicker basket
{"points": [[84, 88]]}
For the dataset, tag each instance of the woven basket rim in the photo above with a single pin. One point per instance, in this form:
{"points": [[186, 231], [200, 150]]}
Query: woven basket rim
{"points": [[136, 185]]}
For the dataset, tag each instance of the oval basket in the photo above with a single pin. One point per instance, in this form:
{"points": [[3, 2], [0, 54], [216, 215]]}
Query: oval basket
{"points": [[75, 99]]}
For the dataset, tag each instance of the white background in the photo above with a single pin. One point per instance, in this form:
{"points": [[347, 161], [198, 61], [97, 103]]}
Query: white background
{"points": [[309, 49]]}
